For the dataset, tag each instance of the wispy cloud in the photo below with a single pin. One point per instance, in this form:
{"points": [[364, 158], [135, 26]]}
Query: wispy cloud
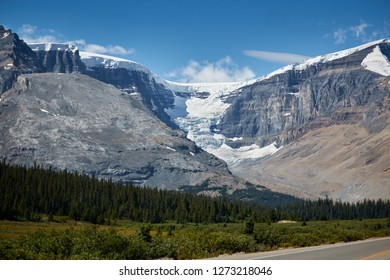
{"points": [[27, 29], [224, 70], [340, 36], [359, 30], [31, 34], [363, 32], [279, 57]]}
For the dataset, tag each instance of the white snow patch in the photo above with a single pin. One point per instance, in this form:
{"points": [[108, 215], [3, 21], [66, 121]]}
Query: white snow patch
{"points": [[234, 139], [45, 111], [5, 35], [293, 93], [169, 148], [233, 156], [8, 66], [377, 62], [192, 154]]}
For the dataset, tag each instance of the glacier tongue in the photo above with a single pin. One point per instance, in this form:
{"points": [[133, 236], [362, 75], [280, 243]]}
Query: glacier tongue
{"points": [[199, 107]]}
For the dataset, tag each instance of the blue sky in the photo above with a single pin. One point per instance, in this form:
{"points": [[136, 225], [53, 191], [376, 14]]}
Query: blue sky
{"points": [[199, 40]]}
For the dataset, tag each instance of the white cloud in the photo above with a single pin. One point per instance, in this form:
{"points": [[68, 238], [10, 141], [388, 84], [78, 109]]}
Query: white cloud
{"points": [[224, 70], [359, 30], [27, 29], [31, 34], [363, 32], [340, 36], [279, 57], [94, 48], [110, 49]]}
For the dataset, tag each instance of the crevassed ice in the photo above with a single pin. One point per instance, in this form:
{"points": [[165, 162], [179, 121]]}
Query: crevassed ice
{"points": [[197, 115]]}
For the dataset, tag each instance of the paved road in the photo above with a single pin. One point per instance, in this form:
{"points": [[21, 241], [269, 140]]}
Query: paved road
{"points": [[371, 249]]}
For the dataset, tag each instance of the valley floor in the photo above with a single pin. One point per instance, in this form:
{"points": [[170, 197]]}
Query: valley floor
{"points": [[68, 239]]}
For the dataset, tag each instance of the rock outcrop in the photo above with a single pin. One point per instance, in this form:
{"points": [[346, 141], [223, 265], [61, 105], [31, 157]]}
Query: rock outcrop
{"points": [[16, 58], [141, 85], [59, 58]]}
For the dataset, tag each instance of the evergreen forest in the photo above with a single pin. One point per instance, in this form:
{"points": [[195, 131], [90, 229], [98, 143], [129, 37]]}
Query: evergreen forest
{"points": [[26, 193]]}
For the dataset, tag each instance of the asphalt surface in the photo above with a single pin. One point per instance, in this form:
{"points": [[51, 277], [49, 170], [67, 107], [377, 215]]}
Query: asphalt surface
{"points": [[371, 249]]}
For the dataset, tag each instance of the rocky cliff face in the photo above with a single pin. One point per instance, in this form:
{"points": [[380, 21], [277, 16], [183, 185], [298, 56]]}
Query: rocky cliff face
{"points": [[15, 58], [59, 58], [140, 85], [130, 77], [277, 108]]}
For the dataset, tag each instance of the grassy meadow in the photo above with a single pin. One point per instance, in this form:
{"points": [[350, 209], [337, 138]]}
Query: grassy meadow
{"points": [[63, 238]]}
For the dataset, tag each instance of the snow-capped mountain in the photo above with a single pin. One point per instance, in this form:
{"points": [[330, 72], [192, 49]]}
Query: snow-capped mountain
{"points": [[199, 112], [326, 113], [195, 108], [199, 109], [74, 121], [261, 127]]}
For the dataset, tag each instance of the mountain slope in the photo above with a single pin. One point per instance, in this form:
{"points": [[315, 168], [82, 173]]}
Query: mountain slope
{"points": [[343, 161], [73, 121]]}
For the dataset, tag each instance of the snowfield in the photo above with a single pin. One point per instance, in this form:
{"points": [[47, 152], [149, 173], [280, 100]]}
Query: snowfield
{"points": [[377, 62]]}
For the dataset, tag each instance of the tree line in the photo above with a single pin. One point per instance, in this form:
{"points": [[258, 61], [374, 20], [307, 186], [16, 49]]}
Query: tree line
{"points": [[29, 192]]}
